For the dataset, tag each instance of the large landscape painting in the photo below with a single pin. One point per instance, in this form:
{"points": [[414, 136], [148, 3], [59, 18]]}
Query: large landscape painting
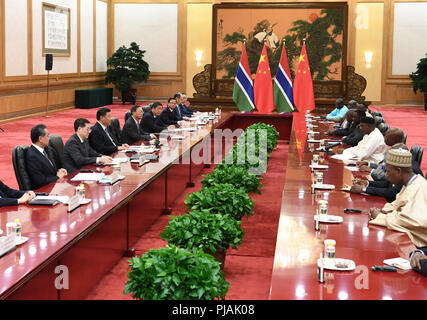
{"points": [[322, 25]]}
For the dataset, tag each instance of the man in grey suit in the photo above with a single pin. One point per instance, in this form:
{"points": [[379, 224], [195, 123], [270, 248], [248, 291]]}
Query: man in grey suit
{"points": [[77, 151]]}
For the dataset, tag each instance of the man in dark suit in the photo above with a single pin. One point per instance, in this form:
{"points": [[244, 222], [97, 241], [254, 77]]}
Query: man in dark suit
{"points": [[41, 167], [77, 151], [12, 197], [418, 260], [169, 115], [101, 139], [149, 123], [356, 134], [384, 188], [187, 112], [132, 132]]}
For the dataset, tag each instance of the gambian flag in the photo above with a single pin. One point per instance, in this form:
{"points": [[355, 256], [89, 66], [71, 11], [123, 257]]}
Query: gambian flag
{"points": [[243, 92], [282, 85]]}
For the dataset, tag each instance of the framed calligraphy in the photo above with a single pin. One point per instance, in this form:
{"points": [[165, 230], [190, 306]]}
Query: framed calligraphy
{"points": [[55, 30]]}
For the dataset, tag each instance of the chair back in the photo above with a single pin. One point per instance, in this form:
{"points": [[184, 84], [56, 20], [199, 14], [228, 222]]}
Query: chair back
{"points": [[378, 120], [383, 128], [127, 115], [146, 108], [404, 138], [57, 145], [19, 154], [115, 129], [417, 153]]}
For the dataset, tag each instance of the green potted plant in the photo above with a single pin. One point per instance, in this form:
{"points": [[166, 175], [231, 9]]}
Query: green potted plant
{"points": [[173, 273], [221, 198], [212, 233], [419, 79], [125, 67], [238, 176], [241, 156]]}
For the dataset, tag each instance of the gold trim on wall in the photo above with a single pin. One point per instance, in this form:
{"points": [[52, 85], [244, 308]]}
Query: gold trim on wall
{"points": [[390, 74], [181, 39], [2, 39], [79, 51], [94, 36], [30, 37]]}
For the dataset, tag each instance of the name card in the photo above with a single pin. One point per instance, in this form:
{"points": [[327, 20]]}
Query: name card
{"points": [[73, 203], [7, 243]]}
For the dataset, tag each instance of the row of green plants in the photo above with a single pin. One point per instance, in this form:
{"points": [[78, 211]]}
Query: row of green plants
{"points": [[253, 148], [190, 266]]}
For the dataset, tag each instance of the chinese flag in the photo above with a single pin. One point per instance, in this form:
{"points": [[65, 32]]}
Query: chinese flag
{"points": [[303, 99], [263, 85]]}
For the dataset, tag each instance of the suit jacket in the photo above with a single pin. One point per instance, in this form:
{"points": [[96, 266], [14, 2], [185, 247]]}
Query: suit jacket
{"points": [[178, 113], [40, 170], [78, 154], [167, 117], [132, 132], [186, 111], [423, 263], [100, 141], [384, 188], [9, 197], [345, 131], [149, 124], [354, 137]]}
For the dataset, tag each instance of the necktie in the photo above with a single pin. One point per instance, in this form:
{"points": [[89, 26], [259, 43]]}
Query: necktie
{"points": [[45, 154], [108, 134], [179, 111], [137, 127]]}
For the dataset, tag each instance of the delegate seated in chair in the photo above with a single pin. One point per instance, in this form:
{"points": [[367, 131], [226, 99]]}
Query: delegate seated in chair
{"points": [[41, 168], [101, 138], [132, 132]]}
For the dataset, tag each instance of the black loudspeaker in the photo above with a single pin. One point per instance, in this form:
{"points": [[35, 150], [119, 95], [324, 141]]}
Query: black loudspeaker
{"points": [[49, 61]]}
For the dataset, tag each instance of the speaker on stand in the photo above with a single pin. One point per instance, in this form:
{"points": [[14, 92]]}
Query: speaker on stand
{"points": [[48, 67]]}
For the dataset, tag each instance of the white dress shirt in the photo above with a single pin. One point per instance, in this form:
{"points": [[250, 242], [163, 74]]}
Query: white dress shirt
{"points": [[371, 148]]}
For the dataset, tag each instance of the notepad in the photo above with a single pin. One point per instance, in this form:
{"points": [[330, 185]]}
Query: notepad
{"points": [[88, 176], [120, 160], [398, 263], [62, 199], [343, 157], [43, 202], [351, 168]]}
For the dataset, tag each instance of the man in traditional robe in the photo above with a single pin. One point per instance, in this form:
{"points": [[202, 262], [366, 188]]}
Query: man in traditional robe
{"points": [[408, 212]]}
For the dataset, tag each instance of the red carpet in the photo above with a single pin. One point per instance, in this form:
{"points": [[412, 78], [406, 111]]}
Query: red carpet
{"points": [[248, 269], [412, 121]]}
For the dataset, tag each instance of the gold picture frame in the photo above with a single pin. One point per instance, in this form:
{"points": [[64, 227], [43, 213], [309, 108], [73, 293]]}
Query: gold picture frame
{"points": [[55, 30]]}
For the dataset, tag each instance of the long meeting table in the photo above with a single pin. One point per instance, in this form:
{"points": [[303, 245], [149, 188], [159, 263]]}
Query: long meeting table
{"points": [[67, 253], [299, 245]]}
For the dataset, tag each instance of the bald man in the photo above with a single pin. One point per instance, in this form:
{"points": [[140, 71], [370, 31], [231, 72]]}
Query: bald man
{"points": [[393, 136]]}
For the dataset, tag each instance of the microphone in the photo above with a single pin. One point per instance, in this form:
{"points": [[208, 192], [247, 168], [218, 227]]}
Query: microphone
{"points": [[329, 146]]}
